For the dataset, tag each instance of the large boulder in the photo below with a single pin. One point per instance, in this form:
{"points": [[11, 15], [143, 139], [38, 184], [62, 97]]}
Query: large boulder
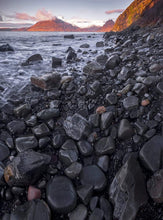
{"points": [[6, 47], [128, 191], [92, 68], [61, 195], [32, 59], [76, 127], [26, 168], [112, 62]]}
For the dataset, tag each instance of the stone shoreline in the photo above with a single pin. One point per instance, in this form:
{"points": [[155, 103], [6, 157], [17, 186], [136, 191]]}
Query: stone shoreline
{"points": [[89, 146]]}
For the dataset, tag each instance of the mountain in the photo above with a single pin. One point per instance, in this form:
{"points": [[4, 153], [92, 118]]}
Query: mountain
{"points": [[107, 26], [140, 12], [90, 29], [53, 25]]}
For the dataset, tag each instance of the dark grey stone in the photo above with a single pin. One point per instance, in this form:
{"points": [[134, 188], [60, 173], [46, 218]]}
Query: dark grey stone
{"points": [[26, 143], [140, 89], [155, 186], [103, 162], [56, 62], [130, 102], [6, 47], [61, 195], [92, 68], [101, 59], [85, 45], [4, 151], [112, 62], [93, 202], [85, 148], [106, 208], [151, 153], [106, 120], [69, 36], [128, 191], [141, 128], [94, 120], [97, 214], [43, 142], [100, 44], [73, 170], [68, 152], [76, 127], [16, 127], [26, 168], [41, 130], [124, 74], [85, 193], [160, 87], [31, 121], [58, 140], [31, 210], [125, 130], [48, 113], [79, 213], [111, 99], [93, 176], [104, 146], [71, 57], [22, 110]]}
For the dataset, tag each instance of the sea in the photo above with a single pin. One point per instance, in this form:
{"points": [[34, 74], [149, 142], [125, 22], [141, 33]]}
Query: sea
{"points": [[14, 77]]}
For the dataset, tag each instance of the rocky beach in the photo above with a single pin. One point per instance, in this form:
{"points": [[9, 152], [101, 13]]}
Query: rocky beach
{"points": [[81, 126]]}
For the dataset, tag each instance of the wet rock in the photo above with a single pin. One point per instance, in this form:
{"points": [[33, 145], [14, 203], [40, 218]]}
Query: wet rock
{"points": [[48, 113], [124, 74], [103, 162], [92, 68], [93, 176], [47, 81], [73, 170], [82, 90], [4, 151], [71, 57], [16, 127], [26, 143], [85, 193], [148, 81], [127, 191], [93, 202], [22, 110], [85, 46], [1, 170], [56, 62], [111, 99], [104, 146], [31, 121], [68, 153], [96, 87], [76, 127], [160, 87], [58, 140], [80, 213], [151, 152], [140, 127], [101, 59], [94, 120], [106, 208], [58, 188], [69, 49], [140, 89], [97, 214], [32, 210], [41, 130], [155, 68], [26, 168], [43, 142], [155, 186], [33, 193], [32, 59], [112, 62], [69, 36], [100, 44], [85, 148], [125, 130], [130, 102], [106, 120], [6, 47]]}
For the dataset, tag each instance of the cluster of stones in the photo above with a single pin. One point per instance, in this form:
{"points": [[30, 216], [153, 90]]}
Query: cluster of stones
{"points": [[92, 149]]}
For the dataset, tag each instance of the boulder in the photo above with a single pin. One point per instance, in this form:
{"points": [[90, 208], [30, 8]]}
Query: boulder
{"points": [[25, 143], [56, 62], [92, 68], [26, 168], [47, 81], [112, 62], [61, 195], [125, 130], [128, 191], [5, 48]]}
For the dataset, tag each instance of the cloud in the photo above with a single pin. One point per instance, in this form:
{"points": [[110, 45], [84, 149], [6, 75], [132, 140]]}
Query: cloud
{"points": [[84, 23], [1, 19], [43, 14], [114, 11], [14, 25], [24, 16]]}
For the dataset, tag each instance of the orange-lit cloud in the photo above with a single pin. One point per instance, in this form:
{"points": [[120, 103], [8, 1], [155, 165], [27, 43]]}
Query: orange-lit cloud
{"points": [[43, 15], [24, 16], [114, 11]]}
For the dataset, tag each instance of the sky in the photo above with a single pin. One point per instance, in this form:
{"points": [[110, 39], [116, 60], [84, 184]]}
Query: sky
{"points": [[83, 13]]}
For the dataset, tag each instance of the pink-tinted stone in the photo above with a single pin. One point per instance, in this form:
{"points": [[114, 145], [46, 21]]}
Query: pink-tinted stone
{"points": [[33, 193], [100, 110]]}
